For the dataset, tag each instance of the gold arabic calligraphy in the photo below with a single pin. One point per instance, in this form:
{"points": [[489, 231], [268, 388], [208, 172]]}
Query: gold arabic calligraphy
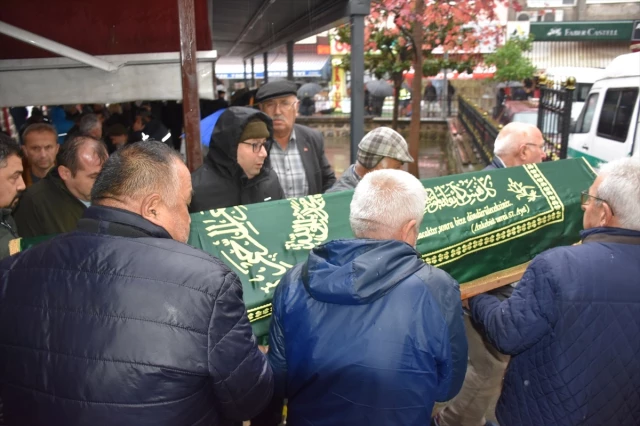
{"points": [[522, 190], [311, 224], [459, 193], [231, 229]]}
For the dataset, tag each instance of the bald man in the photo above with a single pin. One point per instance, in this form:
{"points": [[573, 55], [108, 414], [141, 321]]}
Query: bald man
{"points": [[516, 144]]}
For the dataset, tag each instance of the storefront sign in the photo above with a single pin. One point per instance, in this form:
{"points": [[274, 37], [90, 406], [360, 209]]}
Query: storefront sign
{"points": [[582, 31], [337, 47], [636, 31]]}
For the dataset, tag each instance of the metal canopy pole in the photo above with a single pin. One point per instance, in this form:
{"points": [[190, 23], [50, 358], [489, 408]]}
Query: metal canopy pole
{"points": [[265, 57], [215, 81], [55, 47], [188, 66], [358, 9], [290, 60], [244, 64], [253, 72]]}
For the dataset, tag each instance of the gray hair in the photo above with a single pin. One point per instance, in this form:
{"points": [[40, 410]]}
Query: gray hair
{"points": [[138, 170], [88, 123], [620, 188], [384, 201], [512, 136]]}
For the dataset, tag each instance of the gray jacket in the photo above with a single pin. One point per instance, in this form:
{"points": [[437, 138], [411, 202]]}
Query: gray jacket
{"points": [[348, 180]]}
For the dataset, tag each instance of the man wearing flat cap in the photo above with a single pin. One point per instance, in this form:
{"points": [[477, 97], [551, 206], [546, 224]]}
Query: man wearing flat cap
{"points": [[381, 148], [298, 156], [236, 170]]}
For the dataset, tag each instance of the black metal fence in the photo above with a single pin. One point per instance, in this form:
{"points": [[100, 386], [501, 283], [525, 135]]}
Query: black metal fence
{"points": [[554, 116], [480, 127]]}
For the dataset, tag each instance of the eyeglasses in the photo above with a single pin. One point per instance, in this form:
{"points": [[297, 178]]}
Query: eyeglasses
{"points": [[585, 196], [284, 105], [257, 146], [540, 146]]}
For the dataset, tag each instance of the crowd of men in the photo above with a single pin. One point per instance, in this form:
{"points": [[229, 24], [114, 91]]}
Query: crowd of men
{"points": [[117, 320]]}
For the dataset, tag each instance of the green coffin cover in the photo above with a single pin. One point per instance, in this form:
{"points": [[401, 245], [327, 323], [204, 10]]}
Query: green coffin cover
{"points": [[475, 225]]}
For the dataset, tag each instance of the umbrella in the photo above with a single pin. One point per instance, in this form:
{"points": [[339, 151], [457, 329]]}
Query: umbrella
{"points": [[207, 124], [509, 84], [379, 88], [309, 89]]}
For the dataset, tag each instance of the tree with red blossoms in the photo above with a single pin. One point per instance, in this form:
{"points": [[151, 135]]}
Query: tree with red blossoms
{"points": [[394, 29]]}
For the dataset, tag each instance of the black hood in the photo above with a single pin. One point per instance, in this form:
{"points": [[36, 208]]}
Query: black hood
{"points": [[223, 148]]}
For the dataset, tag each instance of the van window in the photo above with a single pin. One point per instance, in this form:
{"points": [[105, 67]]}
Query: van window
{"points": [[581, 91], [586, 118], [617, 112]]}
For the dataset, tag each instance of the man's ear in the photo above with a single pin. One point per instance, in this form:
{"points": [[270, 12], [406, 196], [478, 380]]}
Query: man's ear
{"points": [[606, 215], [150, 208], [65, 173], [522, 153], [409, 233]]}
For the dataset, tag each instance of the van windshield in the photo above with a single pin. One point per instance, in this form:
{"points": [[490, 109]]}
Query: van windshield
{"points": [[526, 117], [581, 92]]}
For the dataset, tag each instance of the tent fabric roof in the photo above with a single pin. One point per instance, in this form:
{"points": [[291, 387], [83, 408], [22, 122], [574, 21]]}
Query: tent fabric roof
{"points": [[113, 27], [232, 27]]}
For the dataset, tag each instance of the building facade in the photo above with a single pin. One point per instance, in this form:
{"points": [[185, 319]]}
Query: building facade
{"points": [[579, 33]]}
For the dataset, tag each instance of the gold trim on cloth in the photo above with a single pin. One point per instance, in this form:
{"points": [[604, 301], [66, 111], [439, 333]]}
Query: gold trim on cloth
{"points": [[555, 214], [14, 246], [260, 312]]}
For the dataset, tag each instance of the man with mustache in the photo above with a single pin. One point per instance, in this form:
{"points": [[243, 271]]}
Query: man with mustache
{"points": [[298, 156], [11, 186]]}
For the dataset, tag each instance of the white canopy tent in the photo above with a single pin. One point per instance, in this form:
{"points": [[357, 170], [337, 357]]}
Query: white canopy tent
{"points": [[56, 81]]}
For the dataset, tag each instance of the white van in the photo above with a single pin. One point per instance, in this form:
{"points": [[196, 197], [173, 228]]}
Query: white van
{"points": [[585, 78], [608, 126]]}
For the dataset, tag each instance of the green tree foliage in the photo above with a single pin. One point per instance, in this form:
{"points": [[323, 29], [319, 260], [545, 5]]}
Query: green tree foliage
{"points": [[509, 61]]}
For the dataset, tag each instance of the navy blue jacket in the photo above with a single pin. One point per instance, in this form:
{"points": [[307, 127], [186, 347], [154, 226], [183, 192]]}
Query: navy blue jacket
{"points": [[118, 324], [496, 163], [363, 333], [573, 328]]}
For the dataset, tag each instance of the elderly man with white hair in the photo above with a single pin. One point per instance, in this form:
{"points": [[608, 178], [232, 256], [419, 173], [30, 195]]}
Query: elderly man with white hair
{"points": [[517, 144], [364, 332], [572, 326]]}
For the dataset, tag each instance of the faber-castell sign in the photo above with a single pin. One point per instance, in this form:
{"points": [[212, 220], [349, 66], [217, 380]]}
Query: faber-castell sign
{"points": [[591, 32], [582, 31]]}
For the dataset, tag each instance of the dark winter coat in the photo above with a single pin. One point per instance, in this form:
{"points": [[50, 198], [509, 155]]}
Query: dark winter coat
{"points": [[118, 324], [572, 327], [155, 130], [8, 231], [220, 181], [48, 208]]}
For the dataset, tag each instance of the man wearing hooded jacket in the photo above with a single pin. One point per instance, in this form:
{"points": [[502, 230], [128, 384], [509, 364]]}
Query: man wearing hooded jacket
{"points": [[236, 170], [364, 332]]}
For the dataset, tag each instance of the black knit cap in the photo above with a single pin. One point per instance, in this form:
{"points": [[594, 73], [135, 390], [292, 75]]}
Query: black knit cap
{"points": [[276, 89]]}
